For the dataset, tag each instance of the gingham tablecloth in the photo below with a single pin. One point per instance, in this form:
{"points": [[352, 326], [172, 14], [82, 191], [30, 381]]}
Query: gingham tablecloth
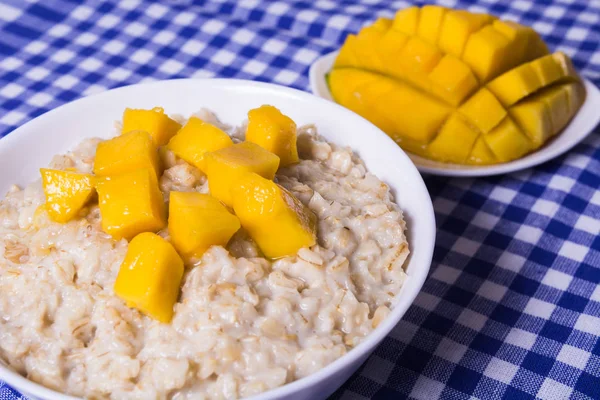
{"points": [[511, 309]]}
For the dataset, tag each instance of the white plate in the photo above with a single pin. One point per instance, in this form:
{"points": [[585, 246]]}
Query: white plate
{"points": [[582, 125], [32, 146]]}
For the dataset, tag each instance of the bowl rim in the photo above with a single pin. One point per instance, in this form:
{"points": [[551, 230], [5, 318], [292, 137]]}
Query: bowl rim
{"points": [[418, 273]]}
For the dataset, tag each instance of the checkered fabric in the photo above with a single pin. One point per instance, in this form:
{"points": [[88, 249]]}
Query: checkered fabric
{"points": [[511, 309]]}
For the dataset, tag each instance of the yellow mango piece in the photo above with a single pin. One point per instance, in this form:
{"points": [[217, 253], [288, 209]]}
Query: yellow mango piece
{"points": [[566, 65], [487, 52], [273, 131], [536, 47], [347, 55], [454, 142], [150, 276], [518, 36], [344, 81], [197, 138], [430, 23], [426, 113], [130, 203], [382, 23], [507, 142], [126, 153], [407, 20], [576, 94], [515, 84], [457, 27], [557, 100], [198, 221], [483, 110], [388, 48], [154, 121], [418, 55], [273, 217], [481, 153], [547, 69], [226, 166], [368, 96], [452, 80], [66, 193], [534, 119], [366, 48]]}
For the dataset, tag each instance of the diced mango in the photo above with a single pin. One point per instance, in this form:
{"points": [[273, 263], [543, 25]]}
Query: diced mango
{"points": [[487, 52], [481, 153], [226, 166], [457, 27], [452, 80], [273, 131], [388, 48], [430, 23], [557, 100], [507, 142], [518, 37], [343, 82], [483, 110], [383, 23], [547, 69], [566, 65], [347, 56], [418, 55], [66, 193], [407, 20], [150, 276], [366, 101], [154, 121], [534, 119], [130, 203], [126, 153], [275, 219], [515, 84], [454, 142], [366, 48], [536, 47], [198, 221], [576, 95], [197, 138]]}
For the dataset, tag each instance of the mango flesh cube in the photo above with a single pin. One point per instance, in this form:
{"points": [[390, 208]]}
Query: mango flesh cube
{"points": [[66, 193], [226, 166], [365, 101], [481, 153], [515, 84], [565, 64], [535, 120], [366, 48], [153, 121], [126, 153], [344, 81], [518, 36], [576, 94], [452, 80], [507, 142], [150, 276], [407, 20], [383, 23], [418, 55], [487, 52], [389, 47], [454, 142], [483, 110], [130, 203], [557, 100], [347, 56], [198, 221], [456, 28], [273, 131], [197, 138], [274, 218], [547, 69], [536, 47], [430, 23]]}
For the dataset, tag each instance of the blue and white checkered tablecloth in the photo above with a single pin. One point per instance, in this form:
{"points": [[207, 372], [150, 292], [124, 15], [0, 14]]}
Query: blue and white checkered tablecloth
{"points": [[511, 309]]}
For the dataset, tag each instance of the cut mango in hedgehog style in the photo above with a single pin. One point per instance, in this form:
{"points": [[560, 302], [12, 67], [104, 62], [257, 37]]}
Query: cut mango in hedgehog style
{"points": [[456, 86], [66, 193]]}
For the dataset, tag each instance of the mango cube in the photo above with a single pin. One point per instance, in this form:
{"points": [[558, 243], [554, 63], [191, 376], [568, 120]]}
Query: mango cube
{"points": [[150, 276], [198, 221], [226, 166], [481, 153], [154, 121], [382, 23], [366, 100], [347, 56], [131, 203], [576, 94], [536, 47], [518, 37], [483, 110], [454, 142], [418, 55], [534, 118], [275, 219], [407, 20], [547, 69], [507, 142], [557, 100], [515, 84], [487, 52], [566, 65], [366, 47], [388, 48], [273, 131], [430, 23], [197, 138], [66, 193], [457, 27], [452, 80], [125, 153]]}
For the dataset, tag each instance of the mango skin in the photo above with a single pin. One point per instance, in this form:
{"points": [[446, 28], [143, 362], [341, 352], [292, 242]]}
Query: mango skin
{"points": [[150, 276], [198, 221], [130, 204], [273, 131], [274, 218], [66, 193], [126, 153], [154, 121]]}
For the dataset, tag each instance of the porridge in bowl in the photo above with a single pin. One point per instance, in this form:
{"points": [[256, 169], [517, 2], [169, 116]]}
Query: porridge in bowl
{"points": [[278, 254]]}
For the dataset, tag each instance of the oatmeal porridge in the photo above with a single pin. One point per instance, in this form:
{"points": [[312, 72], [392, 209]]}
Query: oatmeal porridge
{"points": [[242, 323]]}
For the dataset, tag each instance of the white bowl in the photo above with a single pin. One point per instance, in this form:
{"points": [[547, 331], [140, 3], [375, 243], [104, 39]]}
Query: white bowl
{"points": [[32, 146], [582, 125]]}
